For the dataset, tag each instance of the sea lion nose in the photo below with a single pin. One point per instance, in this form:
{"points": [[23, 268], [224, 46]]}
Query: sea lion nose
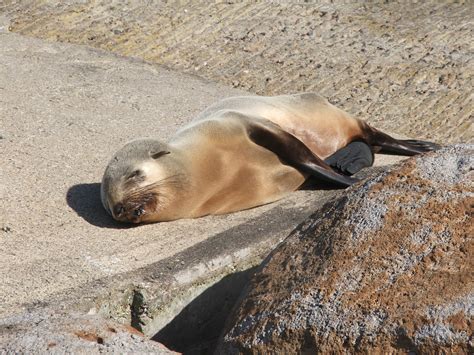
{"points": [[118, 209]]}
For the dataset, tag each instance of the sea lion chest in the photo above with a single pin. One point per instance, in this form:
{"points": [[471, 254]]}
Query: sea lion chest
{"points": [[229, 172]]}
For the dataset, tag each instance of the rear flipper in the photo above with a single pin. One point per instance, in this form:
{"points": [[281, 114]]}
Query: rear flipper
{"points": [[409, 147], [352, 158], [385, 144]]}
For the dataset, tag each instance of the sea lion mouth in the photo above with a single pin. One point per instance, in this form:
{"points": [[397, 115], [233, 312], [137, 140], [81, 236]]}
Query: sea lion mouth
{"points": [[136, 214]]}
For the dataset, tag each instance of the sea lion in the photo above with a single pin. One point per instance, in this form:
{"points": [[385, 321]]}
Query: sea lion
{"points": [[240, 153]]}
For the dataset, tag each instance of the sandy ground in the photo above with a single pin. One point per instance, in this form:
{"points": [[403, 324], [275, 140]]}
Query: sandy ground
{"points": [[407, 68]]}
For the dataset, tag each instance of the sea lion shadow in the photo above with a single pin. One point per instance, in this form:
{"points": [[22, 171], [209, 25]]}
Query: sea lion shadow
{"points": [[312, 184], [85, 200]]}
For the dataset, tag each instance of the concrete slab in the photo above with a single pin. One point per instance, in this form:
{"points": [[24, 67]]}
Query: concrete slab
{"points": [[64, 110]]}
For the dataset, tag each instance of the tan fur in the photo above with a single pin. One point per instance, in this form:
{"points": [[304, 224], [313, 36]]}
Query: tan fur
{"points": [[321, 126], [217, 168]]}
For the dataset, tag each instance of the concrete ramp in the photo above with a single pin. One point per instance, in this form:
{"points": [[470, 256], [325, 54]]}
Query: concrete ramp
{"points": [[64, 110]]}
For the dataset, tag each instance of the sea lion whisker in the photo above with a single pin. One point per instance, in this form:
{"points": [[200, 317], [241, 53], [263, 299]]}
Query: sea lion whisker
{"points": [[140, 196], [170, 181]]}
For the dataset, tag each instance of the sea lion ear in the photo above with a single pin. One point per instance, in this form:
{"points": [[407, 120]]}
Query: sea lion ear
{"points": [[156, 155], [293, 152]]}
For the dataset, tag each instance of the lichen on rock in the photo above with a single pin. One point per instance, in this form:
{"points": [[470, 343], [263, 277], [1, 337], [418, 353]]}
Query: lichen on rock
{"points": [[386, 267]]}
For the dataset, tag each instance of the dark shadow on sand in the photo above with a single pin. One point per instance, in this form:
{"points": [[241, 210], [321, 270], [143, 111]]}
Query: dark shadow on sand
{"points": [[85, 200]]}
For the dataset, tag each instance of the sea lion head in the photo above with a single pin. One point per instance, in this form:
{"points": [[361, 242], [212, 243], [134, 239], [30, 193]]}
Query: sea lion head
{"points": [[139, 180]]}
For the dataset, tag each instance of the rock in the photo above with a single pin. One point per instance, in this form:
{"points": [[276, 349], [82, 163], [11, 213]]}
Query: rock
{"points": [[386, 267], [57, 333]]}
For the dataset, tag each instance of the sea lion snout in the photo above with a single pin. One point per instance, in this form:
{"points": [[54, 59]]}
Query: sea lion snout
{"points": [[120, 212], [135, 210], [131, 214]]}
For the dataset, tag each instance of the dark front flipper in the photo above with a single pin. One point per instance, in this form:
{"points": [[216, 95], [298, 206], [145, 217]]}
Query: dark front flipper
{"points": [[352, 158], [293, 152], [399, 146]]}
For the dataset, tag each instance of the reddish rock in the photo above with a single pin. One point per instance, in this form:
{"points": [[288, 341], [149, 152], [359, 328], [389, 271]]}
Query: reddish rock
{"points": [[387, 267], [48, 331]]}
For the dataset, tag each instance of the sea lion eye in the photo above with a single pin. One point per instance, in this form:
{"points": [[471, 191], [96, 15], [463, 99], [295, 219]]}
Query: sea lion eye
{"points": [[156, 155], [135, 173]]}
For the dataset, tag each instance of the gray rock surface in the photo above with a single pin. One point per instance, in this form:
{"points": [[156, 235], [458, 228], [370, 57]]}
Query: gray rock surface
{"points": [[407, 68], [56, 333], [385, 268]]}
